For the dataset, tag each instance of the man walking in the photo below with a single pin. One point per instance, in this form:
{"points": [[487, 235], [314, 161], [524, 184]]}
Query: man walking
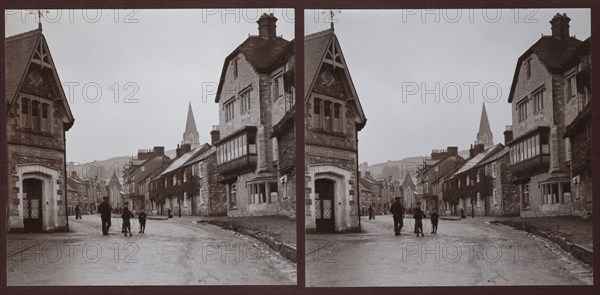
{"points": [[419, 215], [142, 219], [371, 212], [398, 214], [104, 210], [434, 221]]}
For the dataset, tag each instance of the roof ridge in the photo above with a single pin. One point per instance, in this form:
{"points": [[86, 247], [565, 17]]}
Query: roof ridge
{"points": [[23, 35], [318, 34]]}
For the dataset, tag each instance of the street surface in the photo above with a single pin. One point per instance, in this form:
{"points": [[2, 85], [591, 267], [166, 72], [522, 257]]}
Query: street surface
{"points": [[468, 252], [170, 252]]}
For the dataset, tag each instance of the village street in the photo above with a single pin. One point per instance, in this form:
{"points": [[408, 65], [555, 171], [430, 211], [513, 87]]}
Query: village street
{"points": [[170, 252], [464, 252]]}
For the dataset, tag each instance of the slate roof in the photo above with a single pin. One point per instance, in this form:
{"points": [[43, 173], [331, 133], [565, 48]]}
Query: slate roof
{"points": [[495, 156], [553, 53], [315, 47], [261, 53], [181, 161], [19, 51], [474, 161]]}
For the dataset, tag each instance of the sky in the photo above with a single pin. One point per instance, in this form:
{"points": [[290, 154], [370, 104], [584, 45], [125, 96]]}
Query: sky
{"points": [[423, 75], [130, 74]]}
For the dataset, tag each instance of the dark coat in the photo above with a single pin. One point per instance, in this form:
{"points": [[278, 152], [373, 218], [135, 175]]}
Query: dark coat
{"points": [[104, 209], [419, 214], [142, 217], [126, 214], [434, 217], [397, 209]]}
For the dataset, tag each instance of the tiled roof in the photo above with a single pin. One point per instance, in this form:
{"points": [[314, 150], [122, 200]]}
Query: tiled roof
{"points": [[315, 46], [261, 53], [19, 49], [554, 53]]}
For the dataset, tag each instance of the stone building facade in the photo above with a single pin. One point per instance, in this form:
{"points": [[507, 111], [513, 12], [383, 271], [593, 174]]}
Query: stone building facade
{"points": [[541, 97], [333, 118], [37, 119], [256, 100]]}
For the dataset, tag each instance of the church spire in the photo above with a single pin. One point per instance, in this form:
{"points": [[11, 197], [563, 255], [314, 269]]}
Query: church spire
{"points": [[190, 135], [485, 136]]}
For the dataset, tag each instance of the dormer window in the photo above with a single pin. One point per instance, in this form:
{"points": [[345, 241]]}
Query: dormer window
{"points": [[235, 67], [528, 67]]}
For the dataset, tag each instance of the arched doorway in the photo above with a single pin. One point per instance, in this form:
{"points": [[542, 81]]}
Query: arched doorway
{"points": [[324, 205], [32, 204]]}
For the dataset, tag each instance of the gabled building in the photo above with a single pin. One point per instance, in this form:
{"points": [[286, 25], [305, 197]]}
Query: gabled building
{"points": [[542, 96], [136, 172], [256, 101], [390, 189], [115, 193], [430, 174], [370, 191], [333, 118], [37, 119]]}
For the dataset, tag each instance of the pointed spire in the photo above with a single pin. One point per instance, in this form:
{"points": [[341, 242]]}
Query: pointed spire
{"points": [[485, 136], [190, 135]]}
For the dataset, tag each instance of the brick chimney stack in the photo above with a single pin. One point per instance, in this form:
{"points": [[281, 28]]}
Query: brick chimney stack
{"points": [[215, 135], [560, 26], [508, 135], [267, 28]]}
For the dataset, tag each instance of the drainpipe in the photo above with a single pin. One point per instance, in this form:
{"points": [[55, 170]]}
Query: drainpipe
{"points": [[357, 185], [65, 193]]}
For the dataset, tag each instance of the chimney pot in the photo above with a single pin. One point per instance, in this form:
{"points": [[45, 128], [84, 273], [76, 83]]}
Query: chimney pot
{"points": [[267, 28], [560, 26]]}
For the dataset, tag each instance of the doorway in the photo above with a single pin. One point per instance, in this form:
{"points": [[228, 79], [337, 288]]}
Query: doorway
{"points": [[32, 205], [324, 205]]}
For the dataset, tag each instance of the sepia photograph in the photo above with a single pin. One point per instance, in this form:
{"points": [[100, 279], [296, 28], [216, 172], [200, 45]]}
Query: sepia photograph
{"points": [[448, 147], [150, 147]]}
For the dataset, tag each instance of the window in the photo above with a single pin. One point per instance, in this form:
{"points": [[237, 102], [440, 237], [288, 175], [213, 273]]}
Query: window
{"points": [[277, 84], [35, 113], [554, 193], [273, 193], [25, 112], [317, 112], [538, 101], [327, 115], [245, 103], [522, 110], [45, 125], [174, 180], [525, 196], [494, 170], [201, 169], [229, 112], [235, 68], [232, 192], [571, 87], [568, 149], [528, 67], [478, 200]]}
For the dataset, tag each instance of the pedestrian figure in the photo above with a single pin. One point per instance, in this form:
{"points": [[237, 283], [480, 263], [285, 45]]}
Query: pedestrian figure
{"points": [[104, 210], [77, 212], [398, 214], [370, 212], [142, 219], [419, 215], [434, 221], [127, 215], [123, 211]]}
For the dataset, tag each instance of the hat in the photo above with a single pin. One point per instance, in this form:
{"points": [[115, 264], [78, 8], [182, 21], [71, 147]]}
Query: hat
{"points": [[106, 197], [398, 198]]}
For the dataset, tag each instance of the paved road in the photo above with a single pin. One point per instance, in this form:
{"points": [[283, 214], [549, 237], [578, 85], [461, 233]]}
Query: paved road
{"points": [[170, 252], [468, 252]]}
